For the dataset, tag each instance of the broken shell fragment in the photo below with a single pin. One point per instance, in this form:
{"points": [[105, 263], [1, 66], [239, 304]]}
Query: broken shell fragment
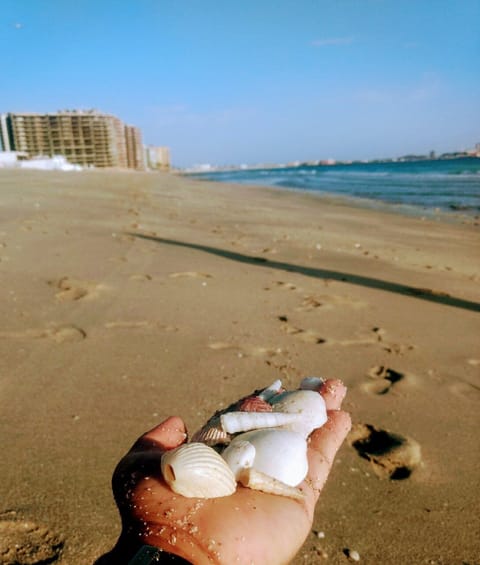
{"points": [[196, 470], [271, 390], [308, 405], [311, 383]]}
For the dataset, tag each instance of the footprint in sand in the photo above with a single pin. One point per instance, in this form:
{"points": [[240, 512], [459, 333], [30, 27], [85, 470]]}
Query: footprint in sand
{"points": [[465, 389], [327, 302], [382, 379], [308, 336], [139, 324], [140, 277], [311, 336], [59, 334], [392, 455], [26, 543], [190, 275], [70, 289], [244, 350]]}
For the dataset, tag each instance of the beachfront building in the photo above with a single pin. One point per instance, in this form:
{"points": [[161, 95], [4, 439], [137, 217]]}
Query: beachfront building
{"points": [[87, 138], [158, 158], [135, 153]]}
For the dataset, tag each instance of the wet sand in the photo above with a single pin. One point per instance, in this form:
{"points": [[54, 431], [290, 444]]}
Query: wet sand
{"points": [[128, 297]]}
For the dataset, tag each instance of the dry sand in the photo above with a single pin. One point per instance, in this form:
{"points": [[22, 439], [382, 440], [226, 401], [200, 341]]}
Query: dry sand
{"points": [[128, 297]]}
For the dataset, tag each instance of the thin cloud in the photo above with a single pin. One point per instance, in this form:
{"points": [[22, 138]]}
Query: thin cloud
{"points": [[329, 41]]}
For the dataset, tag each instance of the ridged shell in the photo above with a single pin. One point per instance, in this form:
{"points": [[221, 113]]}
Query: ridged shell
{"points": [[281, 454], [254, 404], [195, 470], [234, 422], [211, 434], [307, 404]]}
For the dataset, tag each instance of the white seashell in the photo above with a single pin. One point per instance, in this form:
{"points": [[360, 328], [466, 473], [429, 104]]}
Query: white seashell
{"points": [[271, 390], [311, 383], [257, 480], [196, 470], [307, 404], [239, 455], [281, 454], [234, 422]]}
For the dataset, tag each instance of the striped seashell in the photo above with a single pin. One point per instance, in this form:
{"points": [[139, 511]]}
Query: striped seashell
{"points": [[211, 435], [195, 470], [254, 404], [235, 422]]}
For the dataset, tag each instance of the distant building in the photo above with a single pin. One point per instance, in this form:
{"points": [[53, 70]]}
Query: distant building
{"points": [[158, 157], [135, 153], [87, 138]]}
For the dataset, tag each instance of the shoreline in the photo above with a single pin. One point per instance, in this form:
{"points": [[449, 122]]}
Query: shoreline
{"points": [[129, 298], [364, 203], [456, 210]]}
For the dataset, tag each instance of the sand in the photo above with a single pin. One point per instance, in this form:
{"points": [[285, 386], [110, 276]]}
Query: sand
{"points": [[128, 297]]}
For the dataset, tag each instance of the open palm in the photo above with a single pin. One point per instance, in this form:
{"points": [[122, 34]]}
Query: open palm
{"points": [[246, 527]]}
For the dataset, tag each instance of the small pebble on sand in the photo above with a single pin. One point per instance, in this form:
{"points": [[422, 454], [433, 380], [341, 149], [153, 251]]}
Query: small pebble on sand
{"points": [[353, 555]]}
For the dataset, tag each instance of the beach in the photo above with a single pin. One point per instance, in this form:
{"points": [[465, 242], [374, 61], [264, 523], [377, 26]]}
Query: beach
{"points": [[128, 297]]}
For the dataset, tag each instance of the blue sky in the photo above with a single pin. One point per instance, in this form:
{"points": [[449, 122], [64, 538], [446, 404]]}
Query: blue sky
{"points": [[252, 81]]}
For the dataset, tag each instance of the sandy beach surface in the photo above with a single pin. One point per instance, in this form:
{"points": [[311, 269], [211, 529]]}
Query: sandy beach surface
{"points": [[129, 297]]}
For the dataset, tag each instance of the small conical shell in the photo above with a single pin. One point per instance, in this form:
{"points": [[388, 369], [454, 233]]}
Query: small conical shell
{"points": [[234, 422], [307, 404], [257, 480], [196, 470]]}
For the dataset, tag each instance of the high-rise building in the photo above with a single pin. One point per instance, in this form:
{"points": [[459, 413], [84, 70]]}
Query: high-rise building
{"points": [[158, 157], [88, 138], [135, 153]]}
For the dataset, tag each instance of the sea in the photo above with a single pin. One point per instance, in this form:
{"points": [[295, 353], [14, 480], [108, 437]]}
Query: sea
{"points": [[425, 187]]}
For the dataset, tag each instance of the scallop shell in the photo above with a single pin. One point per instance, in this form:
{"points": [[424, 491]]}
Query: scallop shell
{"points": [[307, 404], [211, 434], [281, 454], [254, 404], [234, 422], [196, 470]]}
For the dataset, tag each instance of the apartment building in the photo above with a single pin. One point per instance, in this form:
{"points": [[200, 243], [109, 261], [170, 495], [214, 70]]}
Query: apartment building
{"points": [[158, 157], [134, 146], [87, 138]]}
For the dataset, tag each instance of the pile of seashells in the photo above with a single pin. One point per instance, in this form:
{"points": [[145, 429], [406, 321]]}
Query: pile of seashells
{"points": [[259, 441]]}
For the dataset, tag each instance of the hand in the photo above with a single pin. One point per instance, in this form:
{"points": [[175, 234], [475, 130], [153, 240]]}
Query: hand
{"points": [[246, 527]]}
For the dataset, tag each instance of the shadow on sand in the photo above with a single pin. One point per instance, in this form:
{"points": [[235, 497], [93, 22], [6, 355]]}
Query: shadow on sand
{"points": [[368, 282]]}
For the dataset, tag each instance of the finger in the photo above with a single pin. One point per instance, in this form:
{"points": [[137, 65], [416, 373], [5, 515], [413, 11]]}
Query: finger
{"points": [[333, 392], [323, 446], [169, 434]]}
